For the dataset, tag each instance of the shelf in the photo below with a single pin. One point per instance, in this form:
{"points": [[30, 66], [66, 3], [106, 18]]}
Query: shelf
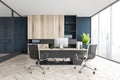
{"points": [[70, 31], [70, 23]]}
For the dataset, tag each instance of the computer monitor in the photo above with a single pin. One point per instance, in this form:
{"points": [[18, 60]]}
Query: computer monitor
{"points": [[63, 41]]}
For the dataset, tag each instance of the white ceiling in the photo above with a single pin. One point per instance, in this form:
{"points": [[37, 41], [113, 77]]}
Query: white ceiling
{"points": [[83, 8], [4, 11]]}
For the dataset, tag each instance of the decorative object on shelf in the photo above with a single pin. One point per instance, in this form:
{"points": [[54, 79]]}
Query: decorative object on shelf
{"points": [[68, 36], [79, 45], [61, 45], [51, 46], [85, 39]]}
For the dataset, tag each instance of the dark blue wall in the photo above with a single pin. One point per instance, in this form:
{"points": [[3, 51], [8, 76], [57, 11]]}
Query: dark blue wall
{"points": [[20, 34], [5, 33], [83, 26]]}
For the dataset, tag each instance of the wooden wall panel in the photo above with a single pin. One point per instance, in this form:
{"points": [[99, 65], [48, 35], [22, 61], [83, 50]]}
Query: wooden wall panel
{"points": [[45, 27]]}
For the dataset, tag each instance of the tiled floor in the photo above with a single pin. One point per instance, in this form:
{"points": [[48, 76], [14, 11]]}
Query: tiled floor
{"points": [[16, 68]]}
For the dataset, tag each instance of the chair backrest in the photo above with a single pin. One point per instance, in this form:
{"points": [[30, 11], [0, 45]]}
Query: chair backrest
{"points": [[33, 51], [91, 52]]}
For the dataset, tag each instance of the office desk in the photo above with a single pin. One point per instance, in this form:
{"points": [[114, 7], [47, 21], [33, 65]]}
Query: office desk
{"points": [[62, 53]]}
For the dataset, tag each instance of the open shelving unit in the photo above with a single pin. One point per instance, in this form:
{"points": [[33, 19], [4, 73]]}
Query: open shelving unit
{"points": [[70, 28]]}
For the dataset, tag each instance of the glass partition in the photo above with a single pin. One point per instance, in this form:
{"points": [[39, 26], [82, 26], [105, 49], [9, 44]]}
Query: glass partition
{"points": [[8, 21], [5, 29]]}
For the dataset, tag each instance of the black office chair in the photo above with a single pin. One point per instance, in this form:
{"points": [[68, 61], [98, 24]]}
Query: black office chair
{"points": [[90, 54], [34, 53]]}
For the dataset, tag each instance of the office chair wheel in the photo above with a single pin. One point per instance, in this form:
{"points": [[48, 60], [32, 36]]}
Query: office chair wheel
{"points": [[95, 68], [93, 72], [30, 72], [74, 67], [43, 72], [29, 68], [48, 68], [80, 72]]}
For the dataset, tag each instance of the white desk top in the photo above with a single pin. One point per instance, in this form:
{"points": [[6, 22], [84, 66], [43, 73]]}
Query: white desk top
{"points": [[72, 49]]}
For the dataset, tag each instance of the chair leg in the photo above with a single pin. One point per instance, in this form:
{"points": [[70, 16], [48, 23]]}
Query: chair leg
{"points": [[41, 66], [88, 68], [30, 68], [81, 68], [38, 65]]}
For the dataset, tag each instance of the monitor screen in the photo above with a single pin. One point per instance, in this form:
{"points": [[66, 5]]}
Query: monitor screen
{"points": [[63, 41]]}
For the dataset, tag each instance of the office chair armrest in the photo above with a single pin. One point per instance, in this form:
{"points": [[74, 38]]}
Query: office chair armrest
{"points": [[83, 57], [76, 56], [44, 56]]}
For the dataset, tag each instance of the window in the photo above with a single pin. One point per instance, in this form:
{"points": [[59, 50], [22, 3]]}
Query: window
{"points": [[94, 30], [105, 31], [115, 32]]}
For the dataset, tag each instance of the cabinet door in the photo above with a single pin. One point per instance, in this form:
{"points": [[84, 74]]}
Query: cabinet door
{"points": [[50, 27], [34, 27], [43, 28], [29, 27], [61, 26], [57, 26], [36, 24]]}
